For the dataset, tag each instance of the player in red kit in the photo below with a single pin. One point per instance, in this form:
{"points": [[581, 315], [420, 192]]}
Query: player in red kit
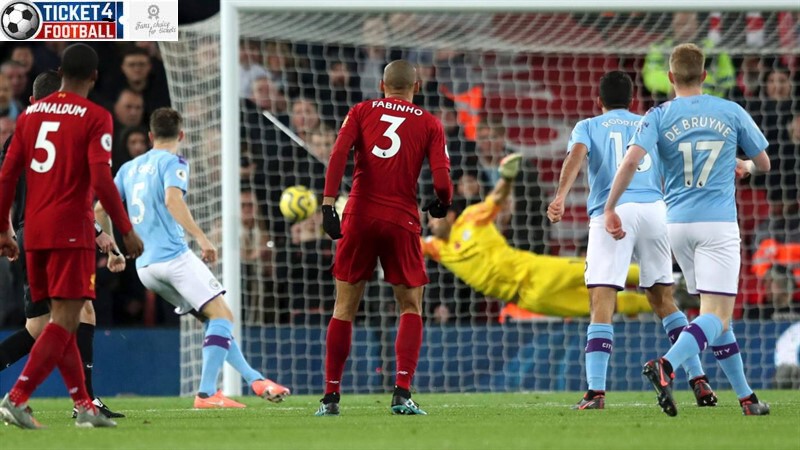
{"points": [[64, 143], [391, 137]]}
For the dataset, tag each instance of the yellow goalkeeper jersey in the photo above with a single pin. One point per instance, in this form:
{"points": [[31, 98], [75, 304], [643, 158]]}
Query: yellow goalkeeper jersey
{"points": [[478, 254]]}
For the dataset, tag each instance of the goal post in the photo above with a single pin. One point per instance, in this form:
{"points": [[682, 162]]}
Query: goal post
{"points": [[330, 23]]}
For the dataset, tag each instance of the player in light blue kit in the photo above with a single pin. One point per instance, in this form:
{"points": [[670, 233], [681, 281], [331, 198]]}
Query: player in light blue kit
{"points": [[696, 137], [153, 186], [603, 139]]}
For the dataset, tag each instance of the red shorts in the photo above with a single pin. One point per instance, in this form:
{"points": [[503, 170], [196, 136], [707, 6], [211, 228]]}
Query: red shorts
{"points": [[61, 273], [366, 240]]}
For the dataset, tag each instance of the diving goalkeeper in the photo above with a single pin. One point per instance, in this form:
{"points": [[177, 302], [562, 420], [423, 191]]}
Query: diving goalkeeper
{"points": [[469, 244]]}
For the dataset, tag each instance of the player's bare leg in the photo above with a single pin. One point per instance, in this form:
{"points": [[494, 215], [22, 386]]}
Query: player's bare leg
{"points": [[407, 346], [599, 343], [219, 333], [674, 321], [337, 342]]}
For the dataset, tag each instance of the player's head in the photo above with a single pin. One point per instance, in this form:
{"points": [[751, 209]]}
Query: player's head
{"points": [[166, 125], [441, 227], [687, 66], [616, 90], [45, 84], [399, 78], [79, 63]]}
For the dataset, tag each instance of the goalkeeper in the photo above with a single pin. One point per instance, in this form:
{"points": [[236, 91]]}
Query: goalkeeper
{"points": [[469, 244]]}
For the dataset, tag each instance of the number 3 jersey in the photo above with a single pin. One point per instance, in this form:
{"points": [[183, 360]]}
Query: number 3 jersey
{"points": [[606, 137], [391, 138], [142, 183], [696, 139], [58, 138]]}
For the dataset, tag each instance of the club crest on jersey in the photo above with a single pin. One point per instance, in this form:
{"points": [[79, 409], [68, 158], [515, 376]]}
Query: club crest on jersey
{"points": [[106, 142]]}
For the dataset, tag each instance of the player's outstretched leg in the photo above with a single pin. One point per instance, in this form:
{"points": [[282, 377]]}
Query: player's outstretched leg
{"points": [[19, 416], [261, 385], [674, 324], [726, 350]]}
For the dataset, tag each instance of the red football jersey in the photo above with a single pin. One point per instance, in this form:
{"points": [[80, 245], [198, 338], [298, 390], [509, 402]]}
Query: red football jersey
{"points": [[391, 138], [56, 140]]}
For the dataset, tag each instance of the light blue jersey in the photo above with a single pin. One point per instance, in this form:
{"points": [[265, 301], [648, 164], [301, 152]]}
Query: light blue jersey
{"points": [[696, 138], [142, 183], [606, 137]]}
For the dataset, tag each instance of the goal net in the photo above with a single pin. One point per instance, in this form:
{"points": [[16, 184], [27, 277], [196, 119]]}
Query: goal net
{"points": [[500, 82]]}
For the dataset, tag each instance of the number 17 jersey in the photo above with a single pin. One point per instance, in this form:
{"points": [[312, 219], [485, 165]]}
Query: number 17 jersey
{"points": [[696, 139], [142, 184]]}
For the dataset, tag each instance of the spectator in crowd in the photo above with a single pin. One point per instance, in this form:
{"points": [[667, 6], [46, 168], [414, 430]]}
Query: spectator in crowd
{"points": [[288, 72], [428, 96], [9, 107], [321, 142], [128, 112], [312, 291], [137, 69], [266, 96], [135, 141], [251, 67], [462, 151], [23, 54], [372, 59], [468, 187], [304, 118], [772, 112], [685, 28], [338, 90], [47, 55], [255, 255], [18, 80], [7, 125]]}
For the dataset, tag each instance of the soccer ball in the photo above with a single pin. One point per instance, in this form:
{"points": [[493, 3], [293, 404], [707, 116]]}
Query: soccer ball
{"points": [[298, 203], [20, 21]]}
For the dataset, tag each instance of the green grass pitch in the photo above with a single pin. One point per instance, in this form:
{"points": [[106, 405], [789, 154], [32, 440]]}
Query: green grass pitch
{"points": [[455, 421]]}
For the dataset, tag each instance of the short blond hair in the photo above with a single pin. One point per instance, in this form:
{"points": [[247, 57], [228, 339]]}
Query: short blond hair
{"points": [[687, 63]]}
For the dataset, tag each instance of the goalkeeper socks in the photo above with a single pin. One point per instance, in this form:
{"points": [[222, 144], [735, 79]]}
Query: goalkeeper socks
{"points": [[406, 347], [14, 347], [599, 342], [45, 354], [236, 359], [215, 348], [694, 339], [71, 368], [726, 350], [673, 325], [85, 340], [337, 349]]}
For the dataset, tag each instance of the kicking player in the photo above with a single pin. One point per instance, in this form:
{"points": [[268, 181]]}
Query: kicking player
{"points": [[64, 143], [392, 137], [468, 243], [602, 139], [19, 344], [696, 136], [153, 186]]}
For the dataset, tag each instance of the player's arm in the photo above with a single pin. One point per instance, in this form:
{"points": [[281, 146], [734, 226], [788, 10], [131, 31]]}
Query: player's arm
{"points": [[179, 210], [569, 173], [9, 174], [754, 144], [439, 162], [509, 168], [622, 180], [348, 134]]}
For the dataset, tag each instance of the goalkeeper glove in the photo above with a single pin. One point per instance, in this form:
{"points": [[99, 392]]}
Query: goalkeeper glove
{"points": [[330, 222], [436, 208], [509, 166]]}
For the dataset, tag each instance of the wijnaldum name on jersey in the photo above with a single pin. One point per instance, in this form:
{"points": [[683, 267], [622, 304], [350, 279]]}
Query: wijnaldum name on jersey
{"points": [[56, 108]]}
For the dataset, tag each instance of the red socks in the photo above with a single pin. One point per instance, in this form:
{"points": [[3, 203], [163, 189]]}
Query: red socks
{"points": [[45, 354], [337, 349], [406, 347], [71, 369], [55, 347]]}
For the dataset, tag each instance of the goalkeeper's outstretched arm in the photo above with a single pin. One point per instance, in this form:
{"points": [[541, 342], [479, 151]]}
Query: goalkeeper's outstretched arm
{"points": [[509, 168]]}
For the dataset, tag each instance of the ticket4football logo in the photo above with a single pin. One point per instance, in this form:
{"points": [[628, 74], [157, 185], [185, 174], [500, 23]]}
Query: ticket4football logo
{"points": [[60, 20]]}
